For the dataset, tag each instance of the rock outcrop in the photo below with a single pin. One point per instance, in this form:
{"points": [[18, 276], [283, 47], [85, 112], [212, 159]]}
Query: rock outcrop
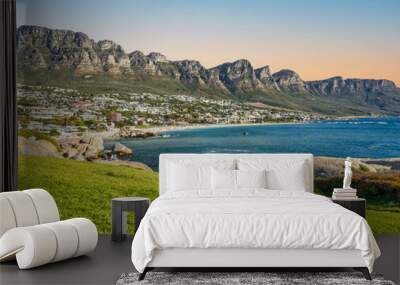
{"points": [[264, 75], [238, 76], [56, 49], [140, 63], [339, 86], [113, 57], [32, 146], [157, 57], [88, 147], [192, 72], [288, 80], [121, 149]]}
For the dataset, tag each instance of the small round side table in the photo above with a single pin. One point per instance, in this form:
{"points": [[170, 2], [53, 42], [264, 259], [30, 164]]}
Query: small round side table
{"points": [[120, 207]]}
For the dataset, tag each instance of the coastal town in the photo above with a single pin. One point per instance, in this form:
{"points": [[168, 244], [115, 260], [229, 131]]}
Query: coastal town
{"points": [[57, 111]]}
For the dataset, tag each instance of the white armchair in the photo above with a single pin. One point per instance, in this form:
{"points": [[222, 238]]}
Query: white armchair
{"points": [[31, 230]]}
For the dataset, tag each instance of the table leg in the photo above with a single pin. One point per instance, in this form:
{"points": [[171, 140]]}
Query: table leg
{"points": [[140, 211], [118, 224]]}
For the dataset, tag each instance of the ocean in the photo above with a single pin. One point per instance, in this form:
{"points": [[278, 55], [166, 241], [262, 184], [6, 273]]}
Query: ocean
{"points": [[361, 138]]}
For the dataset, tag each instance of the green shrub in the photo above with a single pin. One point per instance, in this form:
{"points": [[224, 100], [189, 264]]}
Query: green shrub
{"points": [[363, 168], [377, 188]]}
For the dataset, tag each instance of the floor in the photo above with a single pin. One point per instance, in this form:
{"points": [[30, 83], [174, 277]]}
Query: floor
{"points": [[110, 260], [103, 266]]}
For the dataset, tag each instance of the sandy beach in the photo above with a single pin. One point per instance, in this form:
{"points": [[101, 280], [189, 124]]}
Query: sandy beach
{"points": [[164, 129]]}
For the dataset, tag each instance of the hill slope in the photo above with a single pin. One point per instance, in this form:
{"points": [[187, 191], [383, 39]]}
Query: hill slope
{"points": [[85, 189]]}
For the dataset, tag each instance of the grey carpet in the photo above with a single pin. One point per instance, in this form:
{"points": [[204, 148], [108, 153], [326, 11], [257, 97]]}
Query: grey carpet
{"points": [[268, 278]]}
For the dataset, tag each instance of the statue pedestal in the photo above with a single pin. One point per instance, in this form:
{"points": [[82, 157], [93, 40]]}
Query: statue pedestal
{"points": [[344, 194], [340, 190]]}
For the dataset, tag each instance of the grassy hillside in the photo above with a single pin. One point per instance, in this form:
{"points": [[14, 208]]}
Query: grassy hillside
{"points": [[124, 83], [336, 106], [384, 221], [85, 189]]}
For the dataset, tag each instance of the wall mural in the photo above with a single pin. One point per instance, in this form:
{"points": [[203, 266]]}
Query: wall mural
{"points": [[105, 87]]}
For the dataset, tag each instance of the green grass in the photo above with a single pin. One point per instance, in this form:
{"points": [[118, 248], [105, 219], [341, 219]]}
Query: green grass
{"points": [[384, 222], [85, 189]]}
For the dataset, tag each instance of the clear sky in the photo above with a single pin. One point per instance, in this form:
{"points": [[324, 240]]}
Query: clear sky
{"points": [[316, 38]]}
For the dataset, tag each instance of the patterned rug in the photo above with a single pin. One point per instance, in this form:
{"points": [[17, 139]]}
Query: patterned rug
{"points": [[243, 278]]}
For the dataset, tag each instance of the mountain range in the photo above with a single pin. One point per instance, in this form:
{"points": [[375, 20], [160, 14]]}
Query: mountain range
{"points": [[44, 49]]}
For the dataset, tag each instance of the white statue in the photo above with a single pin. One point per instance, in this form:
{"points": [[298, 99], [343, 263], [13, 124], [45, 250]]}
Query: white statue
{"points": [[347, 174]]}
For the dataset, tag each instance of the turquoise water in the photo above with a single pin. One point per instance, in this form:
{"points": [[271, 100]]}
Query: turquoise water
{"points": [[369, 138]]}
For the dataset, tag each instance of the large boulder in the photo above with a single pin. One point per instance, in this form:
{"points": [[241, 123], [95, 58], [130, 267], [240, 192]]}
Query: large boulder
{"points": [[91, 152], [93, 140], [85, 139], [79, 157], [121, 149], [82, 148], [70, 152], [65, 142], [88, 146], [97, 142], [31, 146]]}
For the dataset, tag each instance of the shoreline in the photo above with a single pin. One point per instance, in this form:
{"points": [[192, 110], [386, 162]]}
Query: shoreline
{"points": [[160, 130], [166, 129], [113, 134]]}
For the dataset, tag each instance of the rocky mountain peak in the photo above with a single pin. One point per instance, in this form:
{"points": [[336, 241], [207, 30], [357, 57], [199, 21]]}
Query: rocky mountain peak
{"points": [[335, 78], [137, 53], [286, 74], [238, 76], [40, 47], [371, 85], [107, 45], [237, 68], [157, 57], [263, 74], [113, 57], [333, 85], [140, 62], [191, 71], [339, 86], [241, 66], [289, 80]]}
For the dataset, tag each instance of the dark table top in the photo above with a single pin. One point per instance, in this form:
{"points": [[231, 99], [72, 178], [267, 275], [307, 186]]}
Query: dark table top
{"points": [[130, 199], [348, 200]]}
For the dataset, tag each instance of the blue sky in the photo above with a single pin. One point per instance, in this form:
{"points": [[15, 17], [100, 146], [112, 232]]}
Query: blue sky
{"points": [[317, 38]]}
